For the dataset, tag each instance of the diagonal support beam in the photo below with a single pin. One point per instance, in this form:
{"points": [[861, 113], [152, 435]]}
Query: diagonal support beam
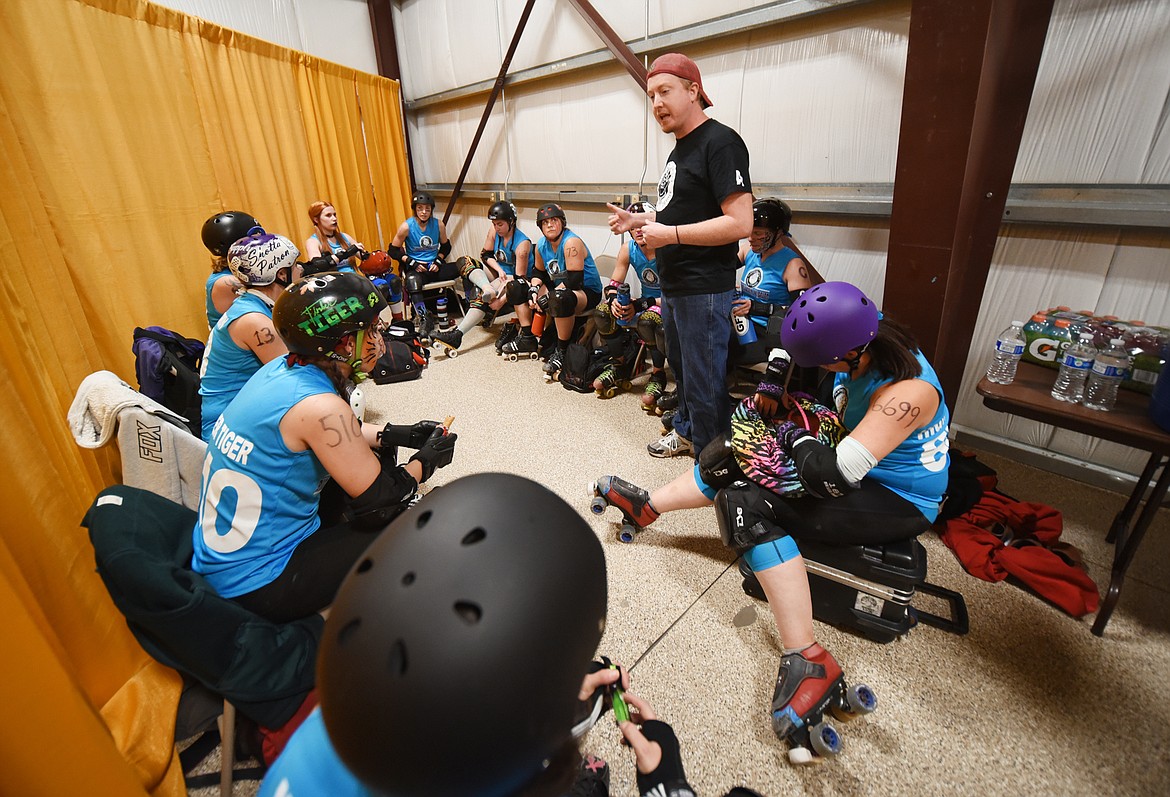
{"points": [[613, 42], [487, 111]]}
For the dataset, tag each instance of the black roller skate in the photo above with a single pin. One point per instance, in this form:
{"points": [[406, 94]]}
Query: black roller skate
{"points": [[592, 779], [522, 347], [610, 380], [654, 389], [809, 687], [632, 500], [666, 402], [556, 361], [424, 324], [508, 333], [448, 342]]}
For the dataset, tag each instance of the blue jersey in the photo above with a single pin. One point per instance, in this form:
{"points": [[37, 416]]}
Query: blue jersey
{"points": [[310, 766], [763, 281], [336, 248], [422, 243], [646, 269], [917, 468], [258, 500], [213, 315], [226, 366], [553, 261], [505, 253]]}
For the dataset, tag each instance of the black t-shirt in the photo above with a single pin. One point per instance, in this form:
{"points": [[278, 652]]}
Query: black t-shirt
{"points": [[707, 165]]}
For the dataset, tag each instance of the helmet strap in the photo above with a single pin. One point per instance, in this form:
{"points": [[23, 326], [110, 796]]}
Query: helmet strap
{"points": [[855, 361]]}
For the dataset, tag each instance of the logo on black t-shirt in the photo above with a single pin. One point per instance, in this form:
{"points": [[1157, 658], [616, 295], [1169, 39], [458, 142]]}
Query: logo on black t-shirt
{"points": [[666, 186]]}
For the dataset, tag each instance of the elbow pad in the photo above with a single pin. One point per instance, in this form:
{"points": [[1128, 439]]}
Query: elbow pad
{"points": [[484, 254], [383, 500], [444, 249], [396, 252], [816, 465], [574, 280]]}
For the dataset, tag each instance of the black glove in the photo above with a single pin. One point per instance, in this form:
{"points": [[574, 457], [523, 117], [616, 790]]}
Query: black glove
{"points": [[346, 254], [437, 452], [542, 303], [788, 434], [413, 436], [771, 389], [668, 778], [318, 264]]}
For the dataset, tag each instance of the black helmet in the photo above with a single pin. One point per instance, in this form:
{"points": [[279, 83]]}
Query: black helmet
{"points": [[640, 207], [313, 314], [773, 214], [550, 211], [503, 211], [224, 229], [455, 648], [422, 198]]}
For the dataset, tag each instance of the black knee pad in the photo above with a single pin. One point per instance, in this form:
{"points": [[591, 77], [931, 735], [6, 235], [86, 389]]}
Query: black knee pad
{"points": [[649, 325], [415, 282], [517, 291], [606, 323], [745, 519], [562, 303], [467, 265], [717, 466]]}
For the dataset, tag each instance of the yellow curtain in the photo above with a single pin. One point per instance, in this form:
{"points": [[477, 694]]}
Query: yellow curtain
{"points": [[123, 125]]}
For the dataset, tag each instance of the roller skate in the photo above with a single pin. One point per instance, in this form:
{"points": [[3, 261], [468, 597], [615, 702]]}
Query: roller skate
{"points": [[654, 389], [610, 380], [632, 500], [666, 402], [592, 779], [522, 346], [424, 324], [810, 688], [508, 333], [553, 367], [448, 342]]}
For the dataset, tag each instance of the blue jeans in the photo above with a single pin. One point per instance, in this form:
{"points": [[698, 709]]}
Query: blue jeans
{"points": [[698, 329]]}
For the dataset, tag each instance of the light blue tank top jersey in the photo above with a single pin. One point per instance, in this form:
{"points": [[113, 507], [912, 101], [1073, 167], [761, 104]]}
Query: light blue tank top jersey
{"points": [[213, 315], [646, 269], [309, 765], [226, 367], [554, 259], [258, 500], [763, 281], [422, 243], [505, 253], [916, 469], [334, 248]]}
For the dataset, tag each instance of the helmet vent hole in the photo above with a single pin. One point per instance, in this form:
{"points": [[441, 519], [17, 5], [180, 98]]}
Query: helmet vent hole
{"points": [[397, 663], [408, 579], [423, 519], [365, 565], [468, 612], [347, 631], [475, 535], [821, 298], [812, 318]]}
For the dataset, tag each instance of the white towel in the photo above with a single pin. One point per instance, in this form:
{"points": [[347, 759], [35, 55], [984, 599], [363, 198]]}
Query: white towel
{"points": [[93, 416]]}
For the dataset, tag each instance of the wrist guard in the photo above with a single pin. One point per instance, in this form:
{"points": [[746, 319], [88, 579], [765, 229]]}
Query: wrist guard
{"points": [[668, 779]]}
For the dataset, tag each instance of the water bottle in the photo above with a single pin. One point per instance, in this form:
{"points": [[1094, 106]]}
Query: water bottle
{"points": [[441, 312], [1109, 369], [623, 299], [745, 330], [1008, 350], [1075, 363]]}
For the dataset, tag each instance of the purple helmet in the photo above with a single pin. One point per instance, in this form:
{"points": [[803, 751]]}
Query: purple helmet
{"points": [[826, 322]]}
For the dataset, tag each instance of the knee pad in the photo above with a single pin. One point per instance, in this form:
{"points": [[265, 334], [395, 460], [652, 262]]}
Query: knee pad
{"points": [[745, 519], [649, 324], [517, 291], [467, 265], [717, 468], [415, 282], [562, 304], [606, 323]]}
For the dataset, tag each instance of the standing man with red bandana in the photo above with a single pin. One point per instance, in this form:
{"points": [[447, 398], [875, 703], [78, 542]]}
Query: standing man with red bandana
{"points": [[704, 208]]}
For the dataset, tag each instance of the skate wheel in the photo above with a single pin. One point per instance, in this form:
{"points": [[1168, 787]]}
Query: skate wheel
{"points": [[453, 353], [627, 384], [597, 506], [801, 756], [626, 533], [512, 358], [860, 699], [534, 356], [824, 739], [609, 393]]}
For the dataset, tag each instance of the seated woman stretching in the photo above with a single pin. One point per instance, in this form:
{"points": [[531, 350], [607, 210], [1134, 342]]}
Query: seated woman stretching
{"points": [[259, 538], [882, 483]]}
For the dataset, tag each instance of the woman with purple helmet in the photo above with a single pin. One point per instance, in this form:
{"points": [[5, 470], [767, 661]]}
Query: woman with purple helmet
{"points": [[883, 482]]}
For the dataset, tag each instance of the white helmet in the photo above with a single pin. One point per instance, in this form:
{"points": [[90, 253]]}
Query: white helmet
{"points": [[254, 260]]}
